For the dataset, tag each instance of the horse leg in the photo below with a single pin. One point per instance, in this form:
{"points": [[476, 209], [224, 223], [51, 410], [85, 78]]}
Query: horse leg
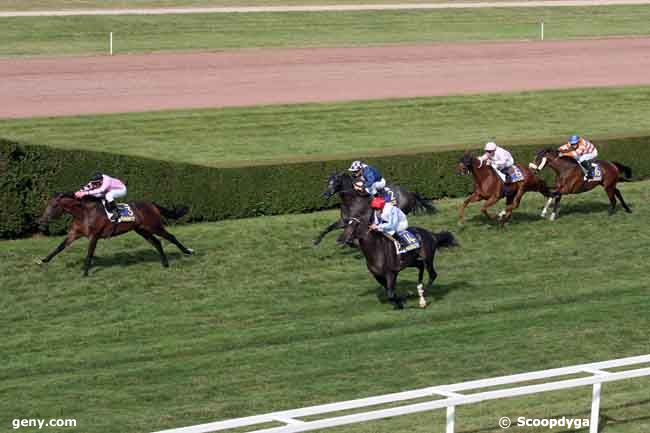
{"points": [[548, 204], [70, 238], [391, 279], [423, 302], [620, 198], [507, 214], [611, 194], [490, 202], [470, 199], [171, 238], [91, 252], [335, 225], [156, 244], [556, 207]]}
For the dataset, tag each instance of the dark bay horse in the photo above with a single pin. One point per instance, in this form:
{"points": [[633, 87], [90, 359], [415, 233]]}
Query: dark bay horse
{"points": [[489, 187], [384, 263], [343, 185], [89, 220], [569, 179]]}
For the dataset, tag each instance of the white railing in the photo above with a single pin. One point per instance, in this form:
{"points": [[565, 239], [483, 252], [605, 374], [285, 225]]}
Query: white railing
{"points": [[595, 371]]}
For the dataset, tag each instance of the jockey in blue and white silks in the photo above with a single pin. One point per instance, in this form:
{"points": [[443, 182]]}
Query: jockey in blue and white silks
{"points": [[387, 218], [371, 178]]}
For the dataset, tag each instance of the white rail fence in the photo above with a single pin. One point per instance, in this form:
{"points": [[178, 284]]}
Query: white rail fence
{"points": [[596, 376]]}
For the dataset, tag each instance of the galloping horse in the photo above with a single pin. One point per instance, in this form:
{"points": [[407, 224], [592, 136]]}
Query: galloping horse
{"points": [[569, 179], [488, 186], [89, 220], [383, 261], [343, 185]]}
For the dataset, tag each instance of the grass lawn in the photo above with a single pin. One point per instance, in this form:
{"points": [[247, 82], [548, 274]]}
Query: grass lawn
{"points": [[138, 33], [235, 136], [259, 321], [16, 5]]}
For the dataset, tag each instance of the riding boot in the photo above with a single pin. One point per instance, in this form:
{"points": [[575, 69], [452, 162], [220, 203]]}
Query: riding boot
{"points": [[111, 206], [586, 166]]}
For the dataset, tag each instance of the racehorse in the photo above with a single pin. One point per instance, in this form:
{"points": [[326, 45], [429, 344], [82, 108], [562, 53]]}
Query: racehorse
{"points": [[89, 220], [489, 187], [383, 261], [353, 200], [570, 179]]}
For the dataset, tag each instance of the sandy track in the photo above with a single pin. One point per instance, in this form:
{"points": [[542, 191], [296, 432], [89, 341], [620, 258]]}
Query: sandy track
{"points": [[68, 86]]}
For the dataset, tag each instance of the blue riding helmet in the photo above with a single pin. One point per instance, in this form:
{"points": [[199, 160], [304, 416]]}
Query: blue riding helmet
{"points": [[356, 166], [574, 139]]}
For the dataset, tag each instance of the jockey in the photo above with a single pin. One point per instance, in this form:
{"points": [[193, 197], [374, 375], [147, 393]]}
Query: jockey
{"points": [[582, 150], [109, 188], [499, 158], [388, 218], [369, 177]]}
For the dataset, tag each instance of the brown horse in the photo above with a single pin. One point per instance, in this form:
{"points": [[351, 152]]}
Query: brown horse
{"points": [[89, 220], [570, 179], [488, 186]]}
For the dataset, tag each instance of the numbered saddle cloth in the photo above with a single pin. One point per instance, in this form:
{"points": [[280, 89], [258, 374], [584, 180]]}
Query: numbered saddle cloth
{"points": [[389, 196], [595, 172], [517, 175], [407, 242], [124, 212]]}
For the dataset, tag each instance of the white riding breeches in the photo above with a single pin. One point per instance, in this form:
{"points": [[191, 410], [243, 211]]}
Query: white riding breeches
{"points": [[588, 156], [380, 184], [112, 194]]}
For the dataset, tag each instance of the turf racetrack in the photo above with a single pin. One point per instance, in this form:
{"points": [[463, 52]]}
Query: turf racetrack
{"points": [[260, 321]]}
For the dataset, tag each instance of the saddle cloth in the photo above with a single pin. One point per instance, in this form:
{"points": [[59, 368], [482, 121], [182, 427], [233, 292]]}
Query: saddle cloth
{"points": [[596, 172], [517, 174], [389, 196], [124, 211], [406, 241]]}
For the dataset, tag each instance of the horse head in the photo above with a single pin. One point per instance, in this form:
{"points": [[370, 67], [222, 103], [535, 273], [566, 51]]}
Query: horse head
{"points": [[336, 183], [58, 204], [465, 164], [542, 157]]}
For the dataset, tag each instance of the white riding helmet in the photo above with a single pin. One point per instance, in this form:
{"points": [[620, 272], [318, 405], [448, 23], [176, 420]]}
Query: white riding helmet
{"points": [[356, 166], [490, 145]]}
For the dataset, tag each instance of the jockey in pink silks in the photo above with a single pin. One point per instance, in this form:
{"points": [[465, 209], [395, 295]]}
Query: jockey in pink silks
{"points": [[109, 188]]}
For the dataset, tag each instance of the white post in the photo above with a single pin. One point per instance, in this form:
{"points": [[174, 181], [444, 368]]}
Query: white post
{"points": [[110, 43], [451, 411], [595, 408], [542, 30]]}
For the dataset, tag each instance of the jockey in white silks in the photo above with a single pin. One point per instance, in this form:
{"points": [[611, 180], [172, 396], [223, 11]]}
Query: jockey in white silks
{"points": [[109, 188], [499, 158]]}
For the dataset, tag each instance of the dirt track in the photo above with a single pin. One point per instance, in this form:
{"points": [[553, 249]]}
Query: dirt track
{"points": [[67, 86]]}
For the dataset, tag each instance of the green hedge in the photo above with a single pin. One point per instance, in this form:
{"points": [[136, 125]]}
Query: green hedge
{"points": [[30, 174]]}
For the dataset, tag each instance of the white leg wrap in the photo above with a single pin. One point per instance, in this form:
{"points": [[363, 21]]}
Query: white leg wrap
{"points": [[423, 302]]}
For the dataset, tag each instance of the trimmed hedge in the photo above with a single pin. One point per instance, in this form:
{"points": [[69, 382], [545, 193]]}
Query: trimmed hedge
{"points": [[30, 174]]}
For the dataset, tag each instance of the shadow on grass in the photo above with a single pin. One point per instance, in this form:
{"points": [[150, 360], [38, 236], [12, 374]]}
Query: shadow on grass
{"points": [[127, 258], [437, 291]]}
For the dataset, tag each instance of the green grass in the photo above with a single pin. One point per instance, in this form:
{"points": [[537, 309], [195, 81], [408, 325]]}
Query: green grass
{"points": [[16, 5], [89, 34], [316, 131], [261, 321]]}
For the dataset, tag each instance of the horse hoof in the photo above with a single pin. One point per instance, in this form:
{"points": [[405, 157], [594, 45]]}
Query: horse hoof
{"points": [[423, 304], [40, 262], [190, 251]]}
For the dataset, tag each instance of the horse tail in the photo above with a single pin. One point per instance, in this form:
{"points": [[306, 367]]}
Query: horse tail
{"points": [[174, 213], [424, 204], [627, 171], [444, 239]]}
